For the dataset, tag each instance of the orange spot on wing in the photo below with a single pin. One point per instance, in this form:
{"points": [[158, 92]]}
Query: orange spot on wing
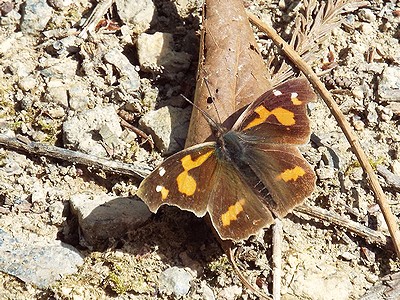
{"points": [[284, 116], [163, 191], [232, 213], [186, 183], [292, 174], [296, 101]]}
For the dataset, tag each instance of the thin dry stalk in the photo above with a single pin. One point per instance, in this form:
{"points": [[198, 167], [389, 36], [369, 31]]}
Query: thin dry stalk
{"points": [[246, 283], [277, 238], [295, 58], [371, 236], [312, 25]]}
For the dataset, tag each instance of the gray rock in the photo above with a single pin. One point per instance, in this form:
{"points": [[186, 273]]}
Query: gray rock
{"points": [[78, 96], [207, 292], [37, 262], [27, 83], [129, 78], [35, 16], [55, 68], [372, 115], [157, 55], [231, 292], [392, 179], [366, 15], [168, 126], [388, 287], [138, 14], [102, 217], [57, 95], [389, 84], [83, 131], [175, 281]]}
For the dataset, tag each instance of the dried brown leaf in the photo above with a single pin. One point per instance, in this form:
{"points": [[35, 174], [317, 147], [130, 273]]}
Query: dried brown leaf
{"points": [[231, 65]]}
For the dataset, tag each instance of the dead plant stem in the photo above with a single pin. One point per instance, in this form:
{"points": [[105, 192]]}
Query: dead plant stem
{"points": [[335, 110], [277, 238]]}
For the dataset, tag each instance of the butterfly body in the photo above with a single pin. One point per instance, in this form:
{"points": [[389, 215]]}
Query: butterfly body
{"points": [[250, 174]]}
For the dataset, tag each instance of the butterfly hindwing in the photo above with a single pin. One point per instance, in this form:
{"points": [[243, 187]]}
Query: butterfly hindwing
{"points": [[181, 180], [279, 115], [236, 209], [284, 172]]}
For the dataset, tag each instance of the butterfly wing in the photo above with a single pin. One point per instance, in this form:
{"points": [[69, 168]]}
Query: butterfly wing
{"points": [[271, 127], [237, 210], [284, 172], [279, 115], [204, 178], [198, 180], [181, 180]]}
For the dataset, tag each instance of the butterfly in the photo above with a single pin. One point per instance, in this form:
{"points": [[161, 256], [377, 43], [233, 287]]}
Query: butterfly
{"points": [[252, 172]]}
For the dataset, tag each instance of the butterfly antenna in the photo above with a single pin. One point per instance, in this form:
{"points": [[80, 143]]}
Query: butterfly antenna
{"points": [[206, 116]]}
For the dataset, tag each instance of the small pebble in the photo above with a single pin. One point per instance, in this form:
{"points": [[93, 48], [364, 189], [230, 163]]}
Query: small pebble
{"points": [[27, 83], [358, 92], [386, 113], [6, 7], [367, 28], [175, 281], [137, 14], [366, 15], [389, 84], [358, 125], [396, 167]]}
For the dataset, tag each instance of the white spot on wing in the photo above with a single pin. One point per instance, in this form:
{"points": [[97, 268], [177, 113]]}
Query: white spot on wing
{"points": [[161, 171], [293, 95], [277, 92], [158, 188]]}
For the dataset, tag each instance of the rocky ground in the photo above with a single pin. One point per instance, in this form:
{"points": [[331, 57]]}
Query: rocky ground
{"points": [[70, 88]]}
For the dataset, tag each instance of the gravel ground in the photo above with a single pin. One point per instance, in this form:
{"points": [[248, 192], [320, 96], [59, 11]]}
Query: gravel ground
{"points": [[68, 88]]}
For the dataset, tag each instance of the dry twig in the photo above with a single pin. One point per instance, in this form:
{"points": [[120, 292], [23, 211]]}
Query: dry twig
{"points": [[231, 254], [371, 236], [344, 125], [277, 238], [23, 144]]}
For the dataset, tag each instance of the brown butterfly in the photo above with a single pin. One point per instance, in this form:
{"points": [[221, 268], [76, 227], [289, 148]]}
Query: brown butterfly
{"points": [[251, 174]]}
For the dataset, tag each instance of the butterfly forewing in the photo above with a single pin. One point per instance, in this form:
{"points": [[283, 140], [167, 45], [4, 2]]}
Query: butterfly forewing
{"points": [[279, 115], [181, 180]]}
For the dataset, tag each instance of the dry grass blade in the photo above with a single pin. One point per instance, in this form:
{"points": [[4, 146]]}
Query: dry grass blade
{"points": [[246, 283], [315, 22]]}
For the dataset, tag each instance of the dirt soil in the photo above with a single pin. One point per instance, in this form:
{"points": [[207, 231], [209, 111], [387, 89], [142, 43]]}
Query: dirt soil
{"points": [[44, 84]]}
